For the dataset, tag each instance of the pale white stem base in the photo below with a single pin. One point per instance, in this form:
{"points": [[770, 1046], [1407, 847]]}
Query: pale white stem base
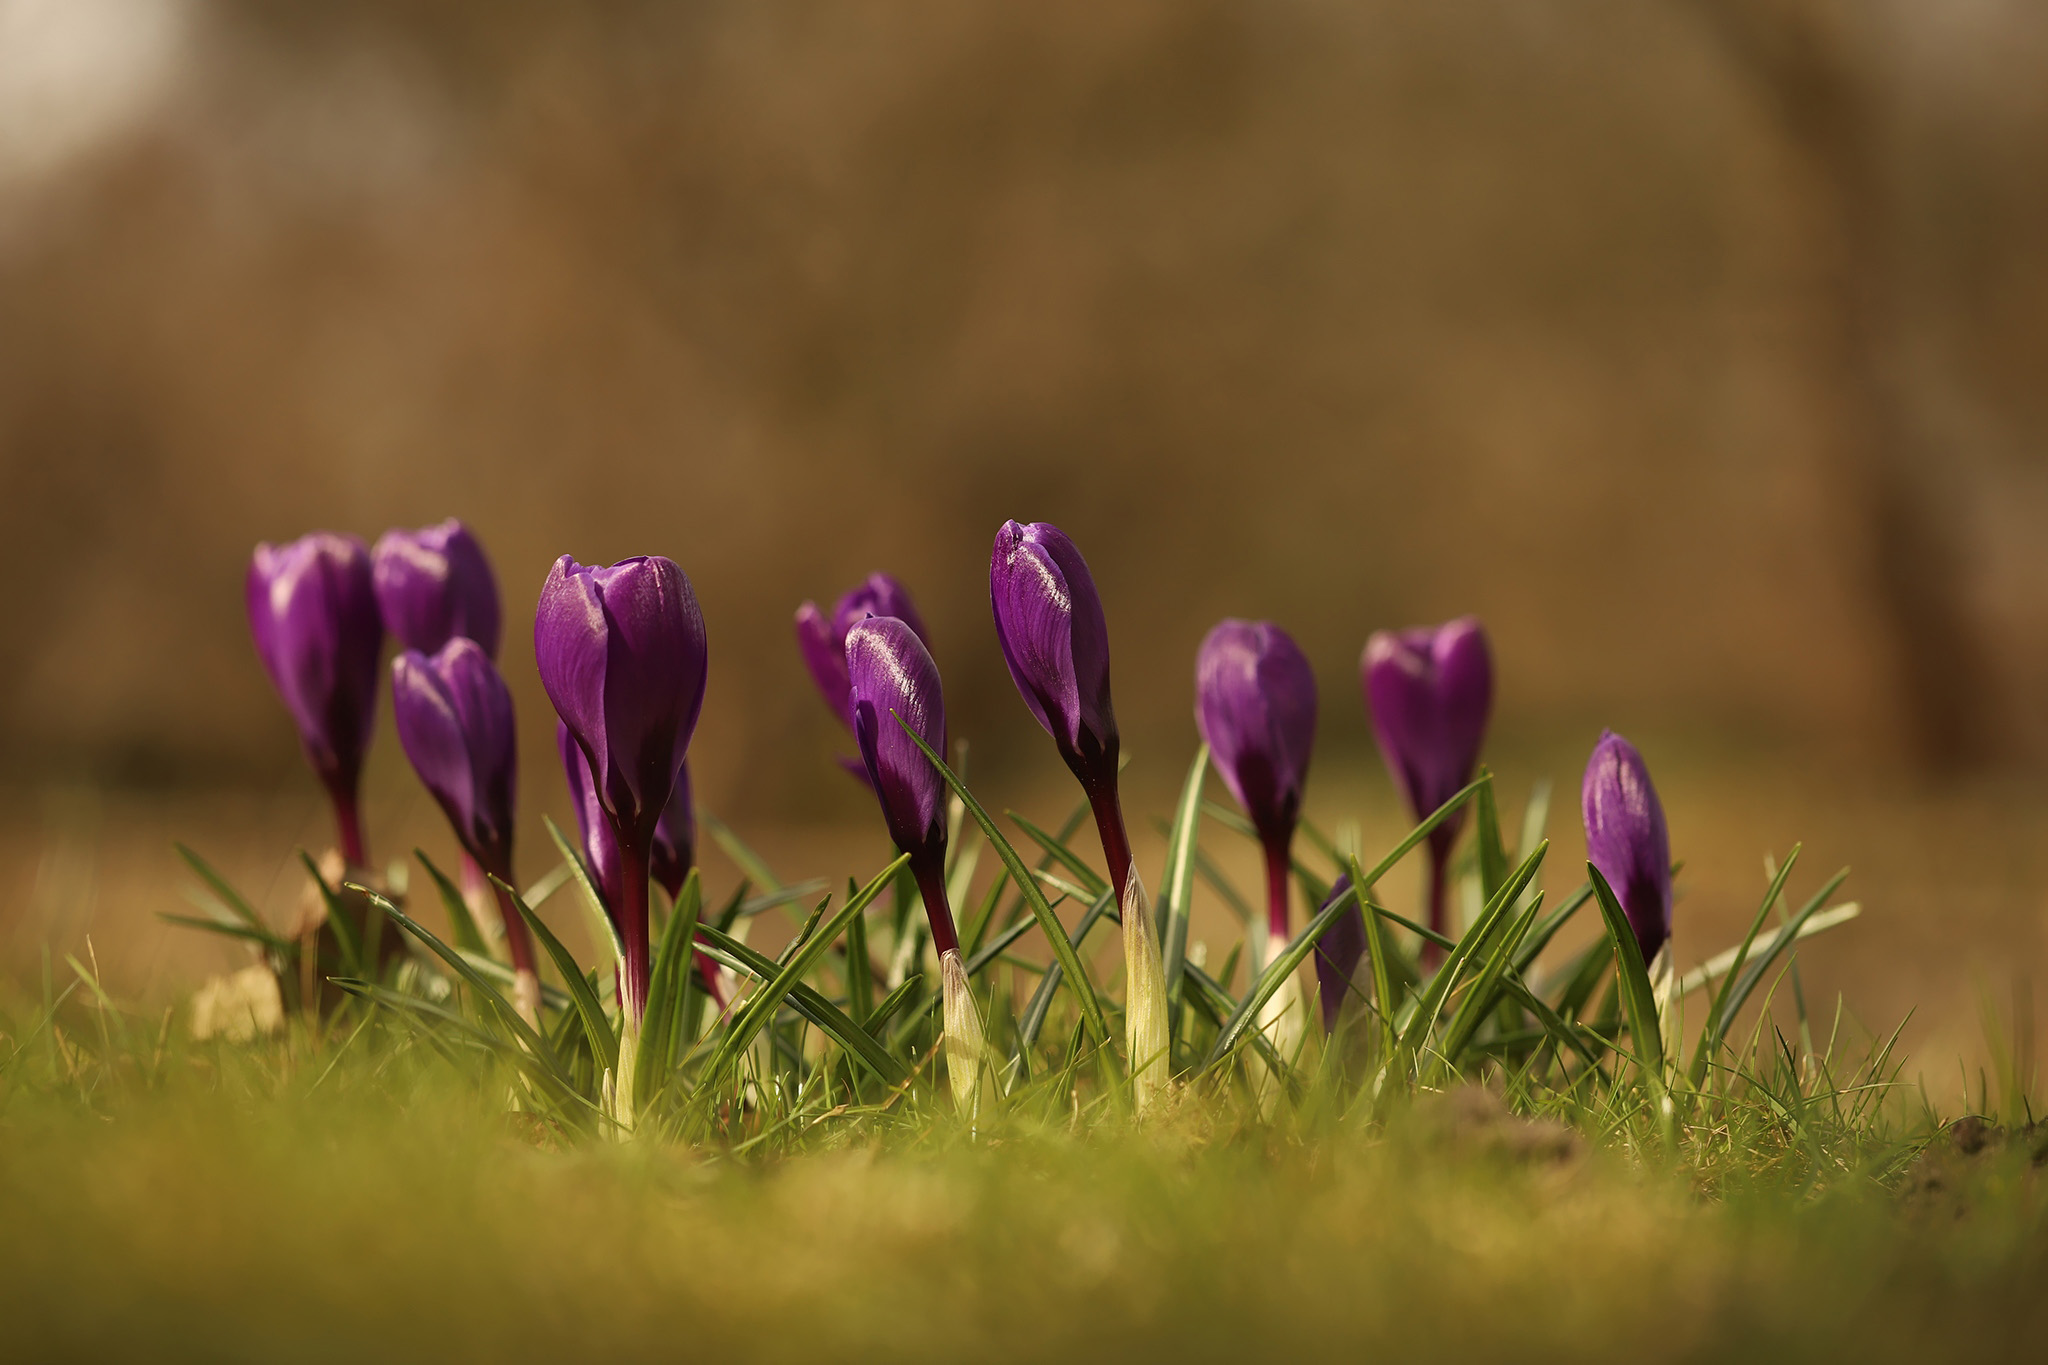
{"points": [[1145, 1014]]}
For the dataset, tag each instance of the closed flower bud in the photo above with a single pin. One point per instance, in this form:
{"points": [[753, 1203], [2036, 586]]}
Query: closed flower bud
{"points": [[892, 675], [1337, 954], [1627, 839], [822, 638], [313, 613], [1050, 625], [1430, 692], [1145, 1012], [1255, 703], [966, 1047], [435, 584], [453, 714], [622, 654]]}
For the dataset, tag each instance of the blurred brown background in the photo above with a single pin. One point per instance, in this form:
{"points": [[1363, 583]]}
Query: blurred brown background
{"points": [[1695, 344]]}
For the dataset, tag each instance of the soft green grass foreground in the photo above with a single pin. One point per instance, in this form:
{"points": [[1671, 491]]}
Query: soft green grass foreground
{"points": [[290, 1202]]}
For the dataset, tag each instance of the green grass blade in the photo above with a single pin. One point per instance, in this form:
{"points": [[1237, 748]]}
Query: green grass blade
{"points": [[751, 864], [667, 984], [1177, 882], [861, 1041], [467, 937], [1487, 988], [1380, 956], [345, 933], [1041, 999], [1055, 933], [220, 886], [1493, 853], [1779, 943], [231, 929], [1092, 882], [1638, 998], [604, 1042], [1431, 1002], [602, 931], [1710, 1033]]}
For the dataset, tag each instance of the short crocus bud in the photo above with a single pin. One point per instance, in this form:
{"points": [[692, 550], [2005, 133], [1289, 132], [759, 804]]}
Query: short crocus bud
{"points": [[1255, 703], [822, 638], [1337, 954], [435, 584], [1430, 692], [1627, 839], [313, 612], [893, 683], [622, 654], [453, 714]]}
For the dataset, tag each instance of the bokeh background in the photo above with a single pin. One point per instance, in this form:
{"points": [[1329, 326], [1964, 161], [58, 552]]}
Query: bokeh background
{"points": [[1697, 345]]}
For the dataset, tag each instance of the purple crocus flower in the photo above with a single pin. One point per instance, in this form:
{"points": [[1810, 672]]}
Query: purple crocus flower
{"points": [[1627, 839], [1055, 640], [1337, 954], [1430, 691], [822, 639], [434, 584], [675, 838], [600, 845], [453, 714], [891, 675], [313, 613], [622, 654], [1255, 703]]}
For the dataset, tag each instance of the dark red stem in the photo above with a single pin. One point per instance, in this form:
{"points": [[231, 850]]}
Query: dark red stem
{"points": [[1439, 907], [930, 871], [348, 825], [1278, 863], [633, 928], [1116, 841], [517, 940]]}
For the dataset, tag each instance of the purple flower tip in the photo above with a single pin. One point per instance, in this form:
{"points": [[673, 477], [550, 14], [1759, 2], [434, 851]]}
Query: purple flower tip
{"points": [[1627, 839], [891, 671], [622, 654], [1255, 703], [1430, 692], [313, 613], [454, 718], [1050, 625], [1337, 954], [434, 584], [822, 639]]}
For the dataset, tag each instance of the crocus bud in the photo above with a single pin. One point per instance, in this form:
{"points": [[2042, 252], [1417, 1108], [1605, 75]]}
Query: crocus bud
{"points": [[1626, 838], [1049, 622], [313, 612], [1430, 692], [822, 639], [891, 675], [435, 584], [453, 714], [1145, 1012], [1337, 954], [966, 1047], [675, 838], [621, 652], [1255, 703]]}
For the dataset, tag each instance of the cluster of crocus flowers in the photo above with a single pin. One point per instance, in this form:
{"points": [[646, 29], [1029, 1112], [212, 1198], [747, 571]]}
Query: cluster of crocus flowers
{"points": [[821, 639], [1055, 640]]}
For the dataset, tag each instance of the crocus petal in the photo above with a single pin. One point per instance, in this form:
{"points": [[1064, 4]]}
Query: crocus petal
{"points": [[1255, 704], [434, 584], [1055, 641], [453, 713], [893, 676], [600, 845], [1430, 692], [824, 656], [313, 615], [675, 838], [1627, 838]]}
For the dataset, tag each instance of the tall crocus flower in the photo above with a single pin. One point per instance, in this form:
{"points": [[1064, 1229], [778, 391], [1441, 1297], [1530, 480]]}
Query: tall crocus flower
{"points": [[891, 678], [622, 654], [1337, 954], [1430, 692], [1627, 839], [822, 638], [313, 613], [453, 714], [1055, 640], [1255, 703], [435, 584]]}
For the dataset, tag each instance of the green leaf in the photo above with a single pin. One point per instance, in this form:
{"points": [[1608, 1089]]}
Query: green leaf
{"points": [[667, 985], [1176, 883], [1055, 933], [1710, 1034], [1486, 988], [1638, 998], [862, 1042], [1493, 854], [344, 930], [231, 929], [1041, 999], [750, 863], [761, 1006], [1380, 954], [463, 925], [1093, 883], [1779, 943], [894, 1001], [1431, 1002], [599, 922], [229, 897], [860, 971], [604, 1043]]}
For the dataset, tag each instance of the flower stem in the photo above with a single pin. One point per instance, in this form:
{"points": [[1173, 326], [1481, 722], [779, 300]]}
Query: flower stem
{"points": [[348, 826], [633, 929], [1109, 824], [1439, 905], [1278, 861], [930, 870]]}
